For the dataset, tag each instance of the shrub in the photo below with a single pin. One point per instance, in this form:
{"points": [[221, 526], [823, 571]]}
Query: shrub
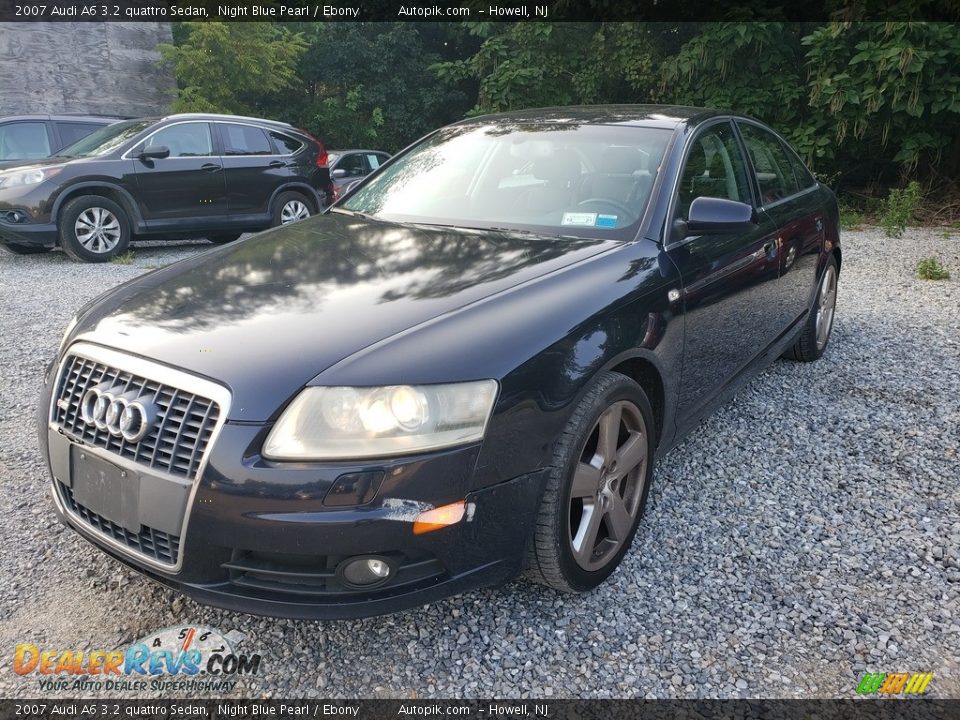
{"points": [[850, 219], [899, 209], [931, 269]]}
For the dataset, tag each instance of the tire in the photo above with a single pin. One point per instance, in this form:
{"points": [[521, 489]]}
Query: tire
{"points": [[93, 229], [223, 239], [290, 207], [25, 249], [816, 331], [582, 500]]}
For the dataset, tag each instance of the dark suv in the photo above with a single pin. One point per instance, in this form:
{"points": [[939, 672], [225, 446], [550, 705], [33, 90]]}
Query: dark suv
{"points": [[33, 137], [190, 175]]}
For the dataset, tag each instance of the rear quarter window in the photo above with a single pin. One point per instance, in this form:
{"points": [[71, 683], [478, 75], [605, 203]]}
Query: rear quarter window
{"points": [[70, 132], [286, 145]]}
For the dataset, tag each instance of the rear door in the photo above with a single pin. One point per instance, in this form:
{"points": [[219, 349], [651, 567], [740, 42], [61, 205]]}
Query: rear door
{"points": [[187, 189], [790, 197], [253, 170], [729, 280]]}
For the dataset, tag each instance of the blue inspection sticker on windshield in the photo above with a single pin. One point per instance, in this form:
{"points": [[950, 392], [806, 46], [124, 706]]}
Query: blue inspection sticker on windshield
{"points": [[606, 221]]}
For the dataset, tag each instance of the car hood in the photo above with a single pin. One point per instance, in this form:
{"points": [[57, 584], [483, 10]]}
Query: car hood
{"points": [[267, 314], [27, 164]]}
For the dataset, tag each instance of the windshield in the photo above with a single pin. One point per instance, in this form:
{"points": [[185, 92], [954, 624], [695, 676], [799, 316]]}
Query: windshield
{"points": [[556, 179], [105, 139]]}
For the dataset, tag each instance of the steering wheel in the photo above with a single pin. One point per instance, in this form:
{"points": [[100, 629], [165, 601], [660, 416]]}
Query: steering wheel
{"points": [[611, 203]]}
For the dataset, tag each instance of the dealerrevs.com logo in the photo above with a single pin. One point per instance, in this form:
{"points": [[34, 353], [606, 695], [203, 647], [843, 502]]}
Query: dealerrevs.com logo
{"points": [[902, 683], [190, 658]]}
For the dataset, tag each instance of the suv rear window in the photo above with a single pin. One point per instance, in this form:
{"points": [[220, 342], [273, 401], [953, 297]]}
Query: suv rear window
{"points": [[286, 144], [244, 140]]}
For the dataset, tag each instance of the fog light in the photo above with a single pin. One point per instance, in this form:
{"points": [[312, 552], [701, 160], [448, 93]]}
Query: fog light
{"points": [[365, 572]]}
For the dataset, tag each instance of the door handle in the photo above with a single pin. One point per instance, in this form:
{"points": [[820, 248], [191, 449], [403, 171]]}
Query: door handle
{"points": [[210, 167], [277, 164]]}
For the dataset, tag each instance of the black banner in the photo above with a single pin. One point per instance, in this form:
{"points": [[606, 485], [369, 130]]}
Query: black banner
{"points": [[473, 10], [912, 709]]}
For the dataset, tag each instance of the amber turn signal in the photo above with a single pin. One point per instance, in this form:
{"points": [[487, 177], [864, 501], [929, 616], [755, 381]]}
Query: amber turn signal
{"points": [[439, 517]]}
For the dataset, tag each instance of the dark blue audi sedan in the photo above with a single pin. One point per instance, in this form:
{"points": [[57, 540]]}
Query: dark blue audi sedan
{"points": [[463, 371]]}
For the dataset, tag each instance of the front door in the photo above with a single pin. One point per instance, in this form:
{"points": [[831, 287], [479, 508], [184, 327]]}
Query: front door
{"points": [[187, 189], [729, 280]]}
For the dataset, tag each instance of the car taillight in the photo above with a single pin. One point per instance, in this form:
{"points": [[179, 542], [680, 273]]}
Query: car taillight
{"points": [[322, 157]]}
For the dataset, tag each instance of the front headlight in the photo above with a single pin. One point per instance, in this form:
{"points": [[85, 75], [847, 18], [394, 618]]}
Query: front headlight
{"points": [[32, 176], [337, 423]]}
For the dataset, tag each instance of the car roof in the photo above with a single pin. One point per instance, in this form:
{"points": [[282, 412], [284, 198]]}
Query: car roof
{"points": [[216, 116], [661, 116], [353, 150], [76, 117]]}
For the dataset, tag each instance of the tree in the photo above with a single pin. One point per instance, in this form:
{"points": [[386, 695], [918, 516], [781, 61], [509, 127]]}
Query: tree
{"points": [[232, 67], [520, 65], [890, 92]]}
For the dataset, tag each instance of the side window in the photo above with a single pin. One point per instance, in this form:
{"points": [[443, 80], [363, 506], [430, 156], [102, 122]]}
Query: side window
{"points": [[771, 164], [70, 132], [354, 164], [185, 139], [714, 168], [804, 177], [244, 140], [24, 141], [286, 144], [376, 160]]}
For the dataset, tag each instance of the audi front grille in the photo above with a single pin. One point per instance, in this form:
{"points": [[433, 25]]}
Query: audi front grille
{"points": [[178, 438]]}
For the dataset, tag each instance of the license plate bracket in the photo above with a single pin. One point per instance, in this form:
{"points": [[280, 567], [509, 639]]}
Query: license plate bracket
{"points": [[105, 489]]}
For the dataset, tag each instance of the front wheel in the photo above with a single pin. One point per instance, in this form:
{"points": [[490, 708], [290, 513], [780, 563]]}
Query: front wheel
{"points": [[816, 332], [93, 229], [291, 207], [596, 489]]}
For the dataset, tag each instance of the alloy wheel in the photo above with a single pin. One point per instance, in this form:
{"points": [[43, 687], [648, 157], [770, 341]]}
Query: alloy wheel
{"points": [[293, 211], [825, 306], [97, 230], [608, 485]]}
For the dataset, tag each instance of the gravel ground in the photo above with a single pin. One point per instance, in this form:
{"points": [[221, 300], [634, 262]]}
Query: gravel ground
{"points": [[806, 533]]}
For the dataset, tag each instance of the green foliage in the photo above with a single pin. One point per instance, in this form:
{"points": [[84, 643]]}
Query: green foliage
{"points": [[900, 208], [891, 86], [370, 84], [521, 65], [930, 268], [124, 258], [232, 67], [850, 218]]}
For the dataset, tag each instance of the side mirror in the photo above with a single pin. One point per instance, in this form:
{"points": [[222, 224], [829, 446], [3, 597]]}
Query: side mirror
{"points": [[714, 216], [155, 152], [339, 173]]}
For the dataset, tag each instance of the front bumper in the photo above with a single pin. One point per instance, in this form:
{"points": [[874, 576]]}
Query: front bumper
{"points": [[255, 536], [27, 233]]}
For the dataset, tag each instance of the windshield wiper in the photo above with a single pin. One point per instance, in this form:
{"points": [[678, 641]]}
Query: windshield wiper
{"points": [[354, 213]]}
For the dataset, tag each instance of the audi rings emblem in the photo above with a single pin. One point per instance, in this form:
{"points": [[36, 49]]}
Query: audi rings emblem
{"points": [[121, 415]]}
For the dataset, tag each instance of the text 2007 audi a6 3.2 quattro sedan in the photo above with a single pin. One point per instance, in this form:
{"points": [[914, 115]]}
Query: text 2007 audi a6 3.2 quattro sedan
{"points": [[464, 370]]}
